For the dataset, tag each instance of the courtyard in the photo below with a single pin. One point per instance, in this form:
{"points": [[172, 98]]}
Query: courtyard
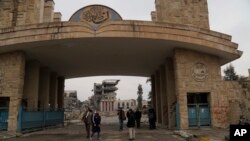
{"points": [[109, 132]]}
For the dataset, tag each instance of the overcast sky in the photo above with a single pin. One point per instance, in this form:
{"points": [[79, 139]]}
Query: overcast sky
{"points": [[226, 16]]}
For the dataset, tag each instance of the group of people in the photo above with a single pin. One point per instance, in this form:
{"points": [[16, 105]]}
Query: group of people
{"points": [[133, 120], [92, 120]]}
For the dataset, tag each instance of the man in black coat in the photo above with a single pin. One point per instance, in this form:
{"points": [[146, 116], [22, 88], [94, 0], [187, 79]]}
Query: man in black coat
{"points": [[138, 118], [152, 118], [131, 124]]}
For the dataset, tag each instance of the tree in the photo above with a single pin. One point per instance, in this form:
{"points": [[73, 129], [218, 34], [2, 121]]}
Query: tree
{"points": [[139, 98], [149, 94], [230, 73]]}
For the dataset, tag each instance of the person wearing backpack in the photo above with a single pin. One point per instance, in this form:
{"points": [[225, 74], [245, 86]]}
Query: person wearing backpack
{"points": [[131, 124]]}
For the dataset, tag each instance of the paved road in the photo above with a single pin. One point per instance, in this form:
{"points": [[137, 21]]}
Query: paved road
{"points": [[76, 132]]}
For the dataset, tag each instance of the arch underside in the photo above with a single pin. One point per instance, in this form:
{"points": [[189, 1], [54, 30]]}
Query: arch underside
{"points": [[117, 48]]}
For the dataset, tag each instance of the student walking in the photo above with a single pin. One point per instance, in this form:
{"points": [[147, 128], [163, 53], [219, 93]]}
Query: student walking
{"points": [[151, 118], [96, 125], [131, 124], [87, 119], [121, 117], [138, 118]]}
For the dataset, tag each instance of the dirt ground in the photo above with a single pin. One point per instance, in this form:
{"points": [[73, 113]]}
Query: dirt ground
{"points": [[109, 132]]}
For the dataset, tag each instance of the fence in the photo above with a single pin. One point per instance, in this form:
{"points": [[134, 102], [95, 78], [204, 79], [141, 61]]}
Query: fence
{"points": [[34, 119]]}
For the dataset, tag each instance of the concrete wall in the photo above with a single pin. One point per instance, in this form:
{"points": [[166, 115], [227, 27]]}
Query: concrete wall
{"points": [[12, 69], [188, 12]]}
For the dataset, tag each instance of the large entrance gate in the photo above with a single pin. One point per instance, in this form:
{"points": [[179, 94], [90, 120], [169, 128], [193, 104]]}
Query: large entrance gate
{"points": [[198, 110]]}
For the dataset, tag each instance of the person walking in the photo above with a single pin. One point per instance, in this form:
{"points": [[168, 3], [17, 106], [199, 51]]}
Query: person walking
{"points": [[131, 124], [121, 117], [152, 118], [96, 125], [138, 118], [87, 119]]}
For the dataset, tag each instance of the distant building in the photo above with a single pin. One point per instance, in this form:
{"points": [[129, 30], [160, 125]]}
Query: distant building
{"points": [[105, 95], [125, 104], [71, 101]]}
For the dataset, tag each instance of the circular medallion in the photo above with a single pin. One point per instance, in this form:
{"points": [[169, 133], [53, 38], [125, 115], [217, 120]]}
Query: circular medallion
{"points": [[95, 15], [199, 72]]}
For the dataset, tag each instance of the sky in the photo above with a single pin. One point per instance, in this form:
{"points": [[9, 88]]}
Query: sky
{"points": [[231, 17]]}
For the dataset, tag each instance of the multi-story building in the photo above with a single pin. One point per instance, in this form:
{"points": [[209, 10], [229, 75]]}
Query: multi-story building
{"points": [[105, 95]]}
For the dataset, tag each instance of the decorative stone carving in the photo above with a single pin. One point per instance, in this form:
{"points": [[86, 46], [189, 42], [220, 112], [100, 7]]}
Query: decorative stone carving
{"points": [[95, 14], [199, 71]]}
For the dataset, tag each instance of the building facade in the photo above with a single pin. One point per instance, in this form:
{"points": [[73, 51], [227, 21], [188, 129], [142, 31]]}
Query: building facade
{"points": [[105, 95]]}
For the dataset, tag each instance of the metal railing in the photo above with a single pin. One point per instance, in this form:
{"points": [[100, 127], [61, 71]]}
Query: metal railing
{"points": [[29, 119]]}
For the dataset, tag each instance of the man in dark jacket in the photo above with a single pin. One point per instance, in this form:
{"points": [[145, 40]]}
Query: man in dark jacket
{"points": [[96, 125], [151, 118], [138, 118], [121, 117], [87, 119], [131, 124]]}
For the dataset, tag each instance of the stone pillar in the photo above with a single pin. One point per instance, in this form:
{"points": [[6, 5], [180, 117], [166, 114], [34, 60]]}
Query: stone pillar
{"points": [[101, 106], [187, 12], [12, 72], [164, 98], [44, 87], [6, 13], [171, 93], [57, 17], [104, 106], [158, 98], [53, 90], [28, 12], [48, 15], [153, 104], [60, 92], [31, 83]]}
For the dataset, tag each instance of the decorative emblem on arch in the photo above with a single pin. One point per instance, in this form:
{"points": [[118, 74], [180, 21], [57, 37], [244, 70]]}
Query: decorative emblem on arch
{"points": [[95, 15], [200, 71]]}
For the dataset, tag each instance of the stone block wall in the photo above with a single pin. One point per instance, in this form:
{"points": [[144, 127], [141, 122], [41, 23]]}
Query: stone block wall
{"points": [[6, 13], [16, 12], [12, 69], [194, 73], [225, 97], [27, 12], [188, 12]]}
